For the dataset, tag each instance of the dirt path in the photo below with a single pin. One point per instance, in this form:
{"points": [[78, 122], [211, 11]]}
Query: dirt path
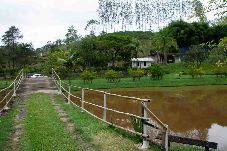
{"points": [[28, 86], [71, 128]]}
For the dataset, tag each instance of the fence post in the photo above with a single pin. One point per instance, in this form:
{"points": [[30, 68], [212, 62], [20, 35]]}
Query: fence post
{"points": [[69, 94], [145, 144], [59, 90], [22, 74], [14, 88], [104, 107], [165, 141], [82, 99]]}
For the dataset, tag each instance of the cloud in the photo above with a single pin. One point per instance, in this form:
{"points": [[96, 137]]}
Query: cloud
{"points": [[41, 21]]}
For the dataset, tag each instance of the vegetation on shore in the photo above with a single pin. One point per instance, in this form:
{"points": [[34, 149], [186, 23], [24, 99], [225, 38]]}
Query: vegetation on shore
{"points": [[98, 133], [6, 126], [170, 80]]}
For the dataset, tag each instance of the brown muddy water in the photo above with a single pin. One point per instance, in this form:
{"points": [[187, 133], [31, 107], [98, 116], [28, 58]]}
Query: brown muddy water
{"points": [[196, 112]]}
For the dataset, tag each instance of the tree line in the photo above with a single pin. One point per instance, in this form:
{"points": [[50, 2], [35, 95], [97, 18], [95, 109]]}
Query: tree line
{"points": [[14, 54]]}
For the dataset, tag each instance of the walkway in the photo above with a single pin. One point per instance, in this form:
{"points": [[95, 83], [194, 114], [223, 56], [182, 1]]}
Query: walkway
{"points": [[74, 131]]}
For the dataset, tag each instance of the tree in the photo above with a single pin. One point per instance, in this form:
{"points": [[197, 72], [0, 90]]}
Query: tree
{"points": [[88, 76], [164, 43], [199, 10], [71, 35], [136, 73], [221, 6], [91, 24], [25, 54], [87, 50], [196, 55], [156, 71], [10, 39], [113, 45]]}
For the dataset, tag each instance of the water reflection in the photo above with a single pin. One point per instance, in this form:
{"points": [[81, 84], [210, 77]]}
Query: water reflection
{"points": [[218, 134], [189, 111]]}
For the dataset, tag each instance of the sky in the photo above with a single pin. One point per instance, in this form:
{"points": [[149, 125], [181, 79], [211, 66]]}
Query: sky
{"points": [[46, 20], [41, 21]]}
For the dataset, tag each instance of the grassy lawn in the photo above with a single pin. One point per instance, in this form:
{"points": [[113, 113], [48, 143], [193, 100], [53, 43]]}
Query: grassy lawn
{"points": [[43, 128], [169, 80], [6, 126]]}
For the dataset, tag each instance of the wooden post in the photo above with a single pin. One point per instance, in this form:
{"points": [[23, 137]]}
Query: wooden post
{"points": [[145, 144], [59, 90], [82, 99], [165, 140], [69, 94], [104, 107], [22, 74], [14, 88]]}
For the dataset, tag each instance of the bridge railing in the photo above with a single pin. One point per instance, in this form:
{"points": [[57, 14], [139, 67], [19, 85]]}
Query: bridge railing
{"points": [[9, 92], [147, 120]]}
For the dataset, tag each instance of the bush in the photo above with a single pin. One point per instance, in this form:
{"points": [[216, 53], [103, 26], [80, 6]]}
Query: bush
{"points": [[88, 76], [156, 71], [136, 73], [195, 71], [112, 76], [137, 124], [220, 70]]}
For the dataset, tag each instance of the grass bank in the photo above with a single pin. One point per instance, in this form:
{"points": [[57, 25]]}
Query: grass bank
{"points": [[4, 83], [43, 128], [6, 126], [169, 80], [96, 132]]}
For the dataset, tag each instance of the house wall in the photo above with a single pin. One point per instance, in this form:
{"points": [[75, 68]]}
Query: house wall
{"points": [[140, 64]]}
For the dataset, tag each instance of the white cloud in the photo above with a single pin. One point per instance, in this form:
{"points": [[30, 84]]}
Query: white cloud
{"points": [[41, 21]]}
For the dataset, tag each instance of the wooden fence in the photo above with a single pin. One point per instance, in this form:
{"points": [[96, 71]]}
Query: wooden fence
{"points": [[10, 91], [148, 118]]}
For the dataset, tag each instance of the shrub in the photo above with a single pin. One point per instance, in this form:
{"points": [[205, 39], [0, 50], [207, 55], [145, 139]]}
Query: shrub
{"points": [[195, 71], [220, 70], [136, 73], [156, 71], [137, 124], [112, 76], [88, 76]]}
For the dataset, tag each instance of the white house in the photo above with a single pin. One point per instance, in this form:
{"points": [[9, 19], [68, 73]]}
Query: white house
{"points": [[142, 62]]}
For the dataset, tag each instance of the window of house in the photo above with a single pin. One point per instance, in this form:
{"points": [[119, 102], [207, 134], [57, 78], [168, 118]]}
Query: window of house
{"points": [[145, 63]]}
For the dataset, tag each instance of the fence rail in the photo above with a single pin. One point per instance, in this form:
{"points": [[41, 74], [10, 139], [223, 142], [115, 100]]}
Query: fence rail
{"points": [[145, 118], [10, 91]]}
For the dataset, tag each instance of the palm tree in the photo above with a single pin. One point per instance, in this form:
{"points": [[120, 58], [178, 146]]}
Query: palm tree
{"points": [[164, 43]]}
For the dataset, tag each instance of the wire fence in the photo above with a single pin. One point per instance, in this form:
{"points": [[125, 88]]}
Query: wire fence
{"points": [[97, 103], [9, 92]]}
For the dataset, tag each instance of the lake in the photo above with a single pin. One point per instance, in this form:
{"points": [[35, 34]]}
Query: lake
{"points": [[198, 112]]}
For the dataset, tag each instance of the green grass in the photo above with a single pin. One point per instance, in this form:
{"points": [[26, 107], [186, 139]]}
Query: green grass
{"points": [[43, 128], [4, 83], [98, 133], [169, 80], [6, 126]]}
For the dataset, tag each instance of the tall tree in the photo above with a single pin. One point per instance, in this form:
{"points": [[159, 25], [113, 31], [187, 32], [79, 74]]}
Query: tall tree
{"points": [[10, 39], [71, 35], [91, 24], [221, 7], [199, 10], [114, 45], [25, 54], [164, 43]]}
